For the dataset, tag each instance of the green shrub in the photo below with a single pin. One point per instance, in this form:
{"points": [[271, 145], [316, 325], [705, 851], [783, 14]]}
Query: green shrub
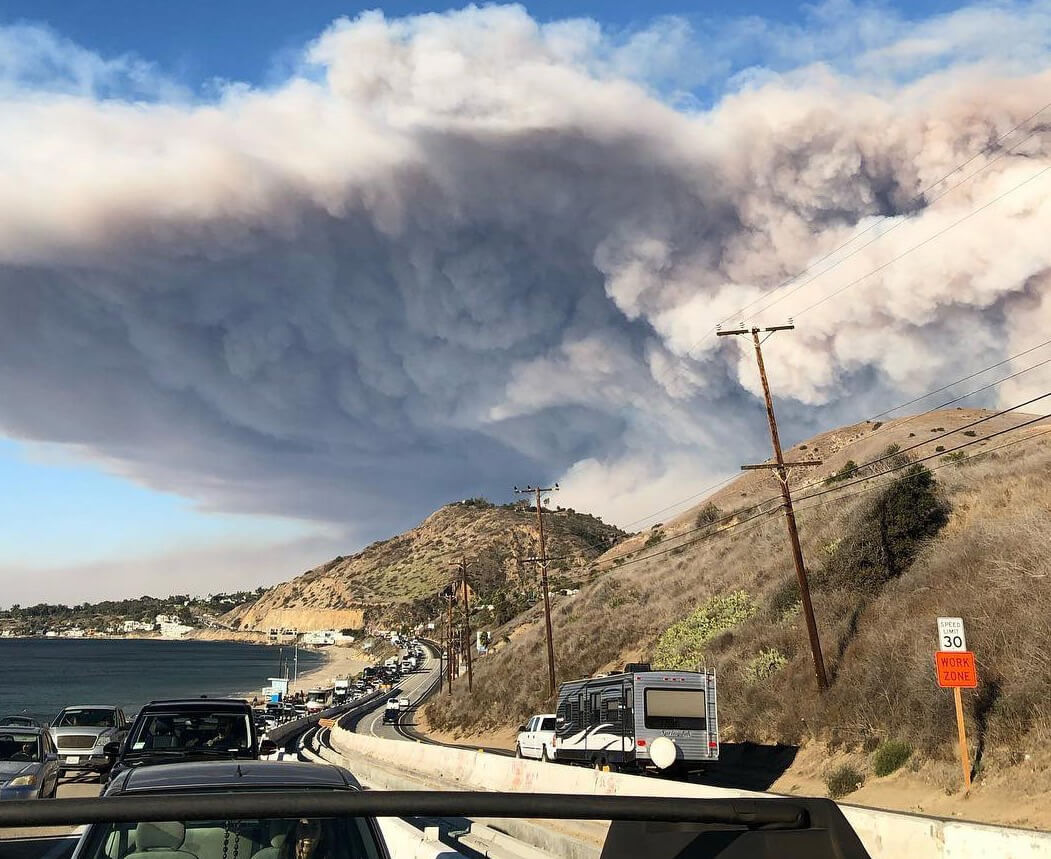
{"points": [[890, 756], [843, 780], [939, 448], [883, 541], [784, 599], [849, 470], [970, 433], [681, 646], [764, 664], [708, 515], [957, 456], [653, 539]]}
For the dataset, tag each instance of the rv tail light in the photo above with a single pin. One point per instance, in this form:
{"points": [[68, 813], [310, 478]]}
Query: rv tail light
{"points": [[640, 743], [712, 745]]}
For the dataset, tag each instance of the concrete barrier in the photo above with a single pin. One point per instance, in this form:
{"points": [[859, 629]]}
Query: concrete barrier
{"points": [[407, 842], [885, 834]]}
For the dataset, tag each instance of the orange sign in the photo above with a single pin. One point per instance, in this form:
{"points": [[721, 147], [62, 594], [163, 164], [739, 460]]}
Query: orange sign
{"points": [[956, 669]]}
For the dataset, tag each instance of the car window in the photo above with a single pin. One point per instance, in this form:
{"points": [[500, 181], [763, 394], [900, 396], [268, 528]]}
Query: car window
{"points": [[338, 838], [549, 724], [85, 717], [20, 747], [187, 731]]}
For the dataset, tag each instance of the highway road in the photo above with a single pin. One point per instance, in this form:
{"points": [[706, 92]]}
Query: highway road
{"points": [[415, 687]]}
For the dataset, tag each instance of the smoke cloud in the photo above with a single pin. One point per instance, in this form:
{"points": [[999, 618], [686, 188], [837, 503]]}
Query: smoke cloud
{"points": [[460, 251]]}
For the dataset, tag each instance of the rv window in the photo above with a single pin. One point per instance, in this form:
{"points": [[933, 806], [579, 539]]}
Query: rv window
{"points": [[675, 709]]}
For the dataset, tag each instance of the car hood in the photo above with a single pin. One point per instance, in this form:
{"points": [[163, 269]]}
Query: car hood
{"points": [[84, 732], [9, 769]]}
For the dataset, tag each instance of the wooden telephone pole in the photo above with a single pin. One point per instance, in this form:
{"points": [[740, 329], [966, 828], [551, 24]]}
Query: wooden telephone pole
{"points": [[449, 595], [462, 567], [543, 581], [781, 467]]}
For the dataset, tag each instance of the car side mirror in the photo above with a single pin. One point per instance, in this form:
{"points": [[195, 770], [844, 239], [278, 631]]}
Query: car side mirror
{"points": [[50, 757], [521, 729], [267, 748], [111, 750]]}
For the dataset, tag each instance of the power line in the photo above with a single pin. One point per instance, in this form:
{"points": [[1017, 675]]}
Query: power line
{"points": [[906, 219], [926, 241], [836, 489], [967, 379], [886, 412], [934, 455], [916, 199], [942, 435]]}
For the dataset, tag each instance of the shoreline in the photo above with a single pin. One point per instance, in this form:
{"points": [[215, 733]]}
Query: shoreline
{"points": [[336, 661]]}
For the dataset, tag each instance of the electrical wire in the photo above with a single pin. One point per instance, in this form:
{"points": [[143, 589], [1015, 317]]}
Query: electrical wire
{"points": [[917, 199], [835, 489], [923, 243]]}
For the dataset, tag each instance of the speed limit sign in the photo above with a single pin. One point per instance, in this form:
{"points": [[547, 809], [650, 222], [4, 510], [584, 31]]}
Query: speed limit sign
{"points": [[950, 634]]}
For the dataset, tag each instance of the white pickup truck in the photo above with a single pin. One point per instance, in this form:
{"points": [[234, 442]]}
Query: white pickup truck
{"points": [[536, 738]]}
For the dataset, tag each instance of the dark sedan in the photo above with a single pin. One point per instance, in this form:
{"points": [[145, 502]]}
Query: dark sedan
{"points": [[333, 838], [20, 722], [28, 763]]}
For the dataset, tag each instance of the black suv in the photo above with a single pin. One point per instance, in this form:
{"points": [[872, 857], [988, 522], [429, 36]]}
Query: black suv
{"points": [[191, 729]]}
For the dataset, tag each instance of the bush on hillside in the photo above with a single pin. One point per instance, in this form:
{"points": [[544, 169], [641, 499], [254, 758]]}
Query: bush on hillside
{"points": [[682, 645], [849, 470], [890, 755], [654, 539], [764, 665], [709, 514], [886, 536], [784, 598], [843, 780]]}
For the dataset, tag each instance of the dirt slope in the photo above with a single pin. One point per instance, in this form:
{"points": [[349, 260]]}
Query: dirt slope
{"points": [[412, 567], [988, 559]]}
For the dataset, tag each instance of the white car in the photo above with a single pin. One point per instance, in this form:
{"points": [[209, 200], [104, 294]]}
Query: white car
{"points": [[536, 738]]}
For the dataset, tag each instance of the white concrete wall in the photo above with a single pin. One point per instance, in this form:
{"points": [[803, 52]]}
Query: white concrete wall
{"points": [[885, 834], [405, 841]]}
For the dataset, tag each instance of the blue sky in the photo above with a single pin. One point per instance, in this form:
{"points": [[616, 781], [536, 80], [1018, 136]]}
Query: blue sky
{"points": [[249, 40], [254, 404]]}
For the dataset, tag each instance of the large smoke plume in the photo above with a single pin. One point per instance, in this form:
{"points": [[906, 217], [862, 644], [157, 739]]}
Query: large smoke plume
{"points": [[459, 251]]}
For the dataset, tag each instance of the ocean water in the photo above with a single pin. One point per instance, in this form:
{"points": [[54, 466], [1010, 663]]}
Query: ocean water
{"points": [[41, 676]]}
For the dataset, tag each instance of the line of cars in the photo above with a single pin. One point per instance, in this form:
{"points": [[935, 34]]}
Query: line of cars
{"points": [[100, 739]]}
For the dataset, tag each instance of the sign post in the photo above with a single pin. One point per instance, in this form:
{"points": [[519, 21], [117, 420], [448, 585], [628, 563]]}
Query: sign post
{"points": [[956, 669]]}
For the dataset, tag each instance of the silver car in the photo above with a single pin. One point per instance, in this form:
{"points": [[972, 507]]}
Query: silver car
{"points": [[28, 764], [81, 733]]}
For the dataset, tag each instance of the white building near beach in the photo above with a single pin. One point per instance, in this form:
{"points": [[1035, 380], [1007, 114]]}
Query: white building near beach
{"points": [[174, 630]]}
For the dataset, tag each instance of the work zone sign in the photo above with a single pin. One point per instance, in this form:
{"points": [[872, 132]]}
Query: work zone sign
{"points": [[956, 669]]}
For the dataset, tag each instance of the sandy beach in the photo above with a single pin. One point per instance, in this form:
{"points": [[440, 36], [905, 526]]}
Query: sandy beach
{"points": [[339, 662]]}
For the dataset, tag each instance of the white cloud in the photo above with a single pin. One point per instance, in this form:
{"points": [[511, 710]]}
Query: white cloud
{"points": [[462, 250]]}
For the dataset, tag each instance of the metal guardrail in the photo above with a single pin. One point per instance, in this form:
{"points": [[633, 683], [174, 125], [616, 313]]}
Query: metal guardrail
{"points": [[751, 813]]}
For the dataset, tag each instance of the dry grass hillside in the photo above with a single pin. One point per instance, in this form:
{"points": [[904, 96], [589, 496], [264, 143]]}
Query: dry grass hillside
{"points": [[398, 578], [971, 537]]}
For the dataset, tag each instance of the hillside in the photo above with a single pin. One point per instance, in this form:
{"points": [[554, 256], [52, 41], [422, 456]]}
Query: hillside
{"points": [[398, 579], [886, 557]]}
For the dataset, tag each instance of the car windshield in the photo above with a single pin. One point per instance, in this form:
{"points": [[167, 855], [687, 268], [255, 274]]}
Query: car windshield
{"points": [[25, 721], [338, 838], [85, 717], [19, 747], [192, 731]]}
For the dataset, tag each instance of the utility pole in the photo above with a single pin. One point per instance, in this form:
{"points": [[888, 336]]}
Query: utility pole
{"points": [[449, 657], [543, 581], [467, 624], [781, 467]]}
